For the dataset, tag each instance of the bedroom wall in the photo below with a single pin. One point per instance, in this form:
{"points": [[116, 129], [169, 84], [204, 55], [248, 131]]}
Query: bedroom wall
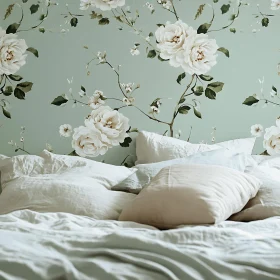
{"points": [[252, 40]]}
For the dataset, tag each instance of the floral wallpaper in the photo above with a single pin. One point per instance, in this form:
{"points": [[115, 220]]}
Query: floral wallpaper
{"points": [[167, 61]]}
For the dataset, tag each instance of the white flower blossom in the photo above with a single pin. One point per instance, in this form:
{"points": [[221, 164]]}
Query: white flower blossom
{"points": [[87, 142], [12, 53], [106, 5], [135, 50], [199, 56], [154, 110], [257, 130], [96, 100], [272, 140], [101, 57], [111, 124], [86, 4], [128, 100], [275, 4], [150, 6], [65, 130]]}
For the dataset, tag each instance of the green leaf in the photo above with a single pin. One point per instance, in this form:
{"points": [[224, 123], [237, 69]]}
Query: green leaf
{"points": [[199, 11], [224, 50], [182, 100], [265, 22], [104, 21], [15, 77], [42, 30], [203, 28], [216, 86], [73, 154], [274, 89], [184, 109], [12, 28], [34, 51], [8, 91], [225, 8], [119, 18], [134, 130], [181, 77], [197, 113], [83, 89], [198, 90], [210, 93], [6, 113], [151, 34], [206, 78], [74, 22], [152, 54], [9, 11], [24, 1], [215, 1], [18, 93], [126, 142], [233, 17], [249, 101], [59, 100], [25, 86], [42, 17], [34, 8], [233, 30], [160, 24]]}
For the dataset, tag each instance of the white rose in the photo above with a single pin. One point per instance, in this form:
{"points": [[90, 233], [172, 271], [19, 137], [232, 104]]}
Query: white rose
{"points": [[12, 51], [87, 142], [112, 124], [275, 4], [106, 5], [171, 39], [199, 55], [272, 140]]}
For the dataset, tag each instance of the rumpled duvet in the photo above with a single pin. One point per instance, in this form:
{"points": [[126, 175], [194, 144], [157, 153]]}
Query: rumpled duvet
{"points": [[58, 246]]}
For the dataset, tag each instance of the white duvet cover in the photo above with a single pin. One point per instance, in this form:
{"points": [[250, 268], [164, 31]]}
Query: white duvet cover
{"points": [[58, 246]]}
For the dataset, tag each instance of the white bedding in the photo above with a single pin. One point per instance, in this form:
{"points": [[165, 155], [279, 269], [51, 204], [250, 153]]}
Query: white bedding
{"points": [[57, 246]]}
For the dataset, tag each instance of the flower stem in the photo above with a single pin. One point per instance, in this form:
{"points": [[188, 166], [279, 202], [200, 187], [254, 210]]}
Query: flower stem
{"points": [[177, 105], [175, 12]]}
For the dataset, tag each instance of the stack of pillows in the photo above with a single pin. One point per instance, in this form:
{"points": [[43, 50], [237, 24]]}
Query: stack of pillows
{"points": [[173, 183]]}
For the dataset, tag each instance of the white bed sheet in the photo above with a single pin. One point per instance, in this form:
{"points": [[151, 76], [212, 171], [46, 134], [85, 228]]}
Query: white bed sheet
{"points": [[57, 246]]}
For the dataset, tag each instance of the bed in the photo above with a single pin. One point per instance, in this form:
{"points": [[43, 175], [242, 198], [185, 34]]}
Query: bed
{"points": [[65, 217], [66, 246]]}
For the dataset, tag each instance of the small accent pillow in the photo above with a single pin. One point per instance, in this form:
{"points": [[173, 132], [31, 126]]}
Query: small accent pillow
{"points": [[191, 194], [152, 147], [222, 157], [266, 204]]}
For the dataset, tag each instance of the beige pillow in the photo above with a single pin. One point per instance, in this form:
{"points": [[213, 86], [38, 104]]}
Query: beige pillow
{"points": [[266, 204], [191, 194]]}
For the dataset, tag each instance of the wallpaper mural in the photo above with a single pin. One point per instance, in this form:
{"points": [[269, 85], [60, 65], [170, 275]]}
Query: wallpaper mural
{"points": [[165, 35]]}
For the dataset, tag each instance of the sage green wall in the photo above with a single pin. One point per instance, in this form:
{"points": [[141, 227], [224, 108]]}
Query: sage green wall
{"points": [[253, 55]]}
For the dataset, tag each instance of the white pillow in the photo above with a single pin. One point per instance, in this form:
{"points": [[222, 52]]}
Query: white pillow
{"points": [[48, 163], [266, 204], [222, 157], [191, 194], [66, 192], [152, 147]]}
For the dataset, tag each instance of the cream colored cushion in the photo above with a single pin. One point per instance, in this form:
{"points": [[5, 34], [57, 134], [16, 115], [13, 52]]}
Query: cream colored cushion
{"points": [[266, 204], [191, 194]]}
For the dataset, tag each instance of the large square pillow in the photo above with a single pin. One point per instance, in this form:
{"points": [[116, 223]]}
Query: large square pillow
{"points": [[222, 157], [152, 147], [266, 203], [191, 194]]}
